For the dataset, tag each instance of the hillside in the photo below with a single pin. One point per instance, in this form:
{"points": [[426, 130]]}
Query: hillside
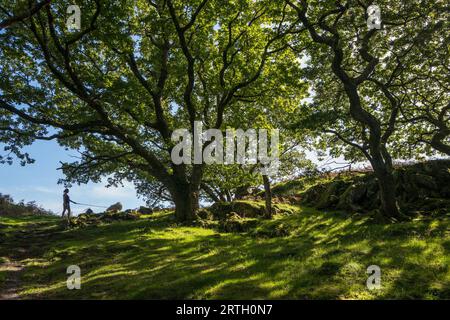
{"points": [[308, 254], [423, 189], [9, 207], [232, 252]]}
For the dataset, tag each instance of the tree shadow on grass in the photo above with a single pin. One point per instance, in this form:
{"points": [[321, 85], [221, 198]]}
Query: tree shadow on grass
{"points": [[323, 257], [202, 266]]}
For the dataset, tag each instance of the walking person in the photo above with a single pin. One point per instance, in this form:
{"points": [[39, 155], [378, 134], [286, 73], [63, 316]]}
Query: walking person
{"points": [[66, 204]]}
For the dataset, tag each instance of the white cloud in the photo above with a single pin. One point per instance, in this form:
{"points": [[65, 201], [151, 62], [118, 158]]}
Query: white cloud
{"points": [[43, 189], [127, 191], [55, 206]]}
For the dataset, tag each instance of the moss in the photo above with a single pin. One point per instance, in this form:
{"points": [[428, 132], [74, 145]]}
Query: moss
{"points": [[353, 197], [315, 255], [360, 193], [291, 187], [204, 214], [330, 196], [245, 209], [235, 223], [273, 230], [86, 219]]}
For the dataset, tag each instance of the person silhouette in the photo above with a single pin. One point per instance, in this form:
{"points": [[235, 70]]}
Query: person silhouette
{"points": [[66, 204]]}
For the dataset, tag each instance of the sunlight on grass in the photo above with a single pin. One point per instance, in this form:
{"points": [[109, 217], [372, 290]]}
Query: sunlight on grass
{"points": [[306, 255]]}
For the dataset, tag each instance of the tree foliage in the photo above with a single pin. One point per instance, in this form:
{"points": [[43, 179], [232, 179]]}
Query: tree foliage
{"points": [[370, 98], [137, 70]]}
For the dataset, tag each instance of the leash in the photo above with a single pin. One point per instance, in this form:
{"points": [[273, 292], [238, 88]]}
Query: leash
{"points": [[89, 205]]}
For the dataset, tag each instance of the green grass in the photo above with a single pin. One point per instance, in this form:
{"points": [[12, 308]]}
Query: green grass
{"points": [[307, 255]]}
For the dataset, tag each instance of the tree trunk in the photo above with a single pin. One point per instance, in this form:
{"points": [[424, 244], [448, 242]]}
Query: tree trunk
{"points": [[186, 202], [386, 182], [185, 192], [379, 156], [268, 197]]}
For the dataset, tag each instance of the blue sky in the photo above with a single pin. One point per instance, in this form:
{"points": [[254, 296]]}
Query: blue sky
{"points": [[38, 182]]}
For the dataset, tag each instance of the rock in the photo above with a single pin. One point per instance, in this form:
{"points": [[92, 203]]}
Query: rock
{"points": [[116, 216], [312, 194], [431, 204], [204, 214], [145, 210], [330, 196], [115, 207], [425, 181], [294, 199], [272, 230], [245, 209], [353, 197], [415, 185], [235, 223], [85, 219]]}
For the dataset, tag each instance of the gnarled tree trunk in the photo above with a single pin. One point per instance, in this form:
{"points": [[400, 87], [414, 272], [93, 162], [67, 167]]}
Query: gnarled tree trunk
{"points": [[389, 205], [186, 200], [384, 173], [185, 192]]}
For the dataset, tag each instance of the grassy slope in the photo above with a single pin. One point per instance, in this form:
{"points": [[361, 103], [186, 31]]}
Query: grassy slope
{"points": [[323, 255]]}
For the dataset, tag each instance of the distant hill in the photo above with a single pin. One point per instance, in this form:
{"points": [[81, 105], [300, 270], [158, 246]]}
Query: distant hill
{"points": [[8, 207]]}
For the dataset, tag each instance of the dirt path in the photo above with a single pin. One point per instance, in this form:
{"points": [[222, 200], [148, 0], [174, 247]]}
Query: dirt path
{"points": [[14, 265], [12, 284]]}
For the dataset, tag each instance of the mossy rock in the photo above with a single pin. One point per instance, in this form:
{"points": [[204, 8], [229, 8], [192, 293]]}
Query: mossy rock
{"points": [[445, 191], [235, 223], [87, 216], [245, 209], [144, 210], [330, 197], [84, 219], [204, 214], [313, 193], [118, 216], [431, 204], [288, 188], [424, 181], [353, 197], [414, 183], [205, 223]]}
